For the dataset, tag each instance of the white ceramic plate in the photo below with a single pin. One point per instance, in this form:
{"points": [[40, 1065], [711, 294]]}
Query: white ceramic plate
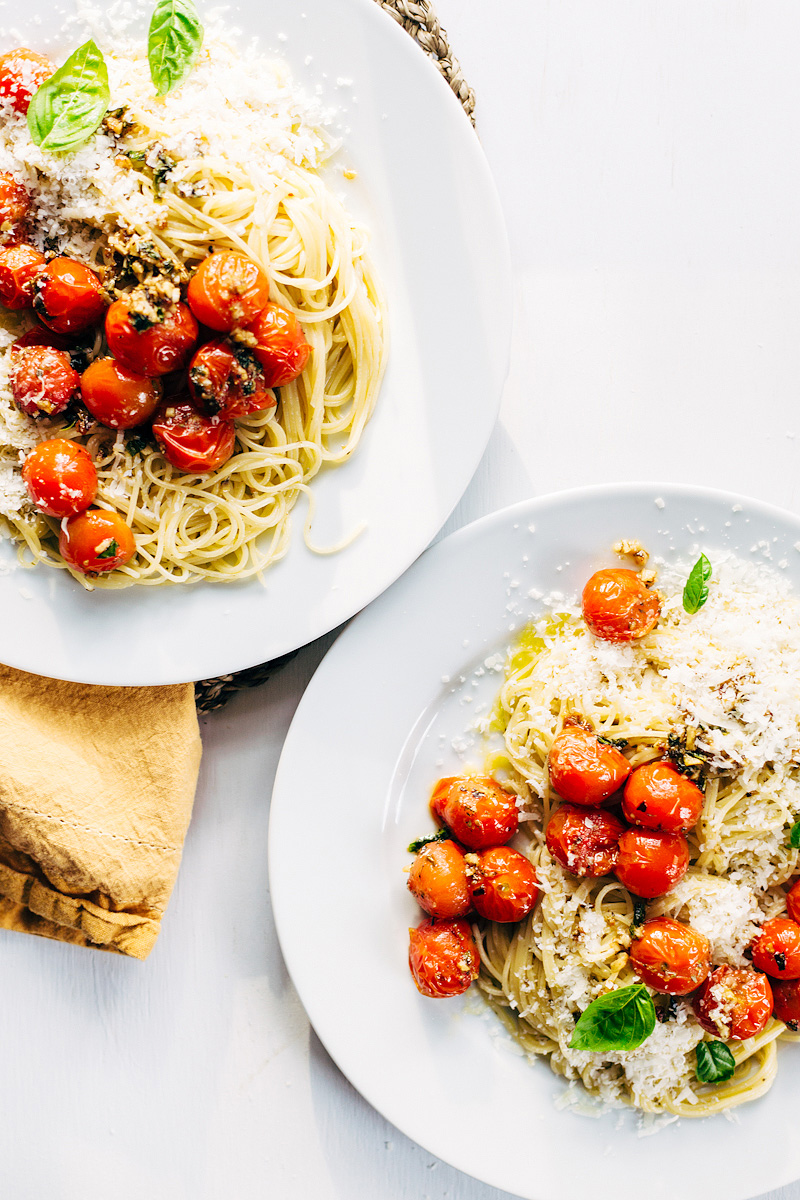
{"points": [[424, 188], [382, 719]]}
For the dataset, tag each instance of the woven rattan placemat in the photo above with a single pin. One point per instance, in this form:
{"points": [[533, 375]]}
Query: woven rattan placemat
{"points": [[417, 18]]}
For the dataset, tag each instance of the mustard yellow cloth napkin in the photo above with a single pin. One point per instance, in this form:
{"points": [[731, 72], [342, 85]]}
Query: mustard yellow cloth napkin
{"points": [[96, 791]]}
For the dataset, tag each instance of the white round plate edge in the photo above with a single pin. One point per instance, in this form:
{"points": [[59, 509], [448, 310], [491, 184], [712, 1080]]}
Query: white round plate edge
{"points": [[722, 1172]]}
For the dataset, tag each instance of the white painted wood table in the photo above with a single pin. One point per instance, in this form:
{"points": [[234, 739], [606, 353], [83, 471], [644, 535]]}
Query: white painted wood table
{"points": [[653, 216]]}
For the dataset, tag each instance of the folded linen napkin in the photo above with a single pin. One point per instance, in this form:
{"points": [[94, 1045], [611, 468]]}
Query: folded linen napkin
{"points": [[96, 791]]}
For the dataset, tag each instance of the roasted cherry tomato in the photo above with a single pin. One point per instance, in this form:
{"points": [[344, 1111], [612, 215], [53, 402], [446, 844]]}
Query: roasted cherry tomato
{"points": [[227, 290], [189, 440], [734, 1002], [670, 957], [14, 205], [786, 998], [443, 957], [502, 883], [19, 267], [793, 901], [650, 861], [584, 840], [438, 880], [60, 477], [96, 541], [22, 72], [476, 810], [156, 349], [618, 607], [39, 335], [42, 380], [659, 797], [116, 396], [227, 380], [280, 347], [584, 770], [776, 949], [68, 296]]}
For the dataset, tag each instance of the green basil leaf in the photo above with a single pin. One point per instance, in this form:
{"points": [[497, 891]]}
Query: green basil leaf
{"points": [[695, 593], [715, 1063], [620, 1020], [69, 106], [111, 549], [440, 836], [176, 35], [794, 836]]}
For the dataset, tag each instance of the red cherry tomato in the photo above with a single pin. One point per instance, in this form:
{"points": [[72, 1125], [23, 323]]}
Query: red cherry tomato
{"points": [[156, 350], [68, 296], [734, 1003], [438, 880], [443, 958], [584, 840], [14, 204], [96, 541], [670, 957], [227, 290], [584, 770], [476, 810], [116, 396], [502, 883], [189, 440], [60, 477], [39, 335], [280, 347], [776, 948], [19, 267], [22, 72], [228, 381], [786, 997], [659, 797], [618, 607], [793, 901], [42, 380], [650, 861]]}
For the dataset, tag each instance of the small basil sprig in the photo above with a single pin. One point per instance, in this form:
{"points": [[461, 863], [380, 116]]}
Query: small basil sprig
{"points": [[441, 835], [620, 1020], [695, 593], [794, 836], [69, 106], [176, 35], [715, 1063]]}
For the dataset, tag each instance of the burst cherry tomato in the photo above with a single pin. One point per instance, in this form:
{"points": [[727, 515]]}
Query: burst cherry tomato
{"points": [[228, 381], [14, 205], [227, 290], [618, 607], [584, 840], [189, 440], [443, 958], [157, 349], [22, 72], [116, 396], [68, 296], [502, 883], [438, 880], [734, 1003], [19, 267], [280, 347], [584, 770], [670, 957], [476, 810], [96, 541], [42, 380], [786, 997], [60, 477], [659, 797], [776, 949], [650, 861], [793, 902]]}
